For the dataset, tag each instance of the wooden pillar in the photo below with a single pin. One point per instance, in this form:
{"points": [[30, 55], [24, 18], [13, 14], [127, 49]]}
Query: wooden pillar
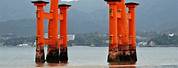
{"points": [[113, 35], [124, 24], [132, 29], [40, 41], [63, 32], [53, 49]]}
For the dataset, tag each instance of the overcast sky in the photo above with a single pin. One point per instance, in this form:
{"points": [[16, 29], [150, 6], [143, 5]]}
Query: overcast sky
{"points": [[155, 13]]}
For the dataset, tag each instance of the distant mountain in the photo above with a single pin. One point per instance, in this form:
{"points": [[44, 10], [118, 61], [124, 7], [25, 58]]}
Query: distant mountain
{"points": [[20, 27], [18, 16], [157, 15]]}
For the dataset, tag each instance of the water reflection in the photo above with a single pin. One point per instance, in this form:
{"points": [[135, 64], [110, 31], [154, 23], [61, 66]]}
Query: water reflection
{"points": [[122, 66], [87, 66], [51, 65], [39, 65], [102, 66]]}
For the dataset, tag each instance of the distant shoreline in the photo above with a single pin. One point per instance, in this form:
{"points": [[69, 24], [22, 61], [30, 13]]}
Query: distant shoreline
{"points": [[160, 46]]}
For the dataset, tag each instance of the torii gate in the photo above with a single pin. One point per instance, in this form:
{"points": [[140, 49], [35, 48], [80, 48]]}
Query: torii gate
{"points": [[122, 33], [53, 41]]}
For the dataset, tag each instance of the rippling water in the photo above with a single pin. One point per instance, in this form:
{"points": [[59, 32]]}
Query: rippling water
{"points": [[90, 57]]}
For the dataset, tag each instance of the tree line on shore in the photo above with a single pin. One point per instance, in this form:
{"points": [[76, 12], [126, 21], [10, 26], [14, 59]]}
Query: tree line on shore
{"points": [[91, 38]]}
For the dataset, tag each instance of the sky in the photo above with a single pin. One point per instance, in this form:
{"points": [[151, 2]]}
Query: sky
{"points": [[155, 13]]}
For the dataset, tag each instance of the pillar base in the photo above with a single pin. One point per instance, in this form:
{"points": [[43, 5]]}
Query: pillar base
{"points": [[40, 55], [123, 56], [133, 52], [53, 55], [63, 58], [113, 54]]}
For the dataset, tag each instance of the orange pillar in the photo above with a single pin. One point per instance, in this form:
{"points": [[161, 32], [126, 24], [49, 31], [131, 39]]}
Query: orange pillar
{"points": [[123, 39], [53, 23], [63, 32], [40, 56], [113, 25], [120, 28], [113, 38], [132, 29], [123, 34], [53, 49], [123, 24]]}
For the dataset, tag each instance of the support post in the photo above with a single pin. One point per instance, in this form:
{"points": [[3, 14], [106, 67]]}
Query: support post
{"points": [[124, 23], [63, 32], [123, 34], [113, 38], [132, 30], [53, 49], [40, 41]]}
